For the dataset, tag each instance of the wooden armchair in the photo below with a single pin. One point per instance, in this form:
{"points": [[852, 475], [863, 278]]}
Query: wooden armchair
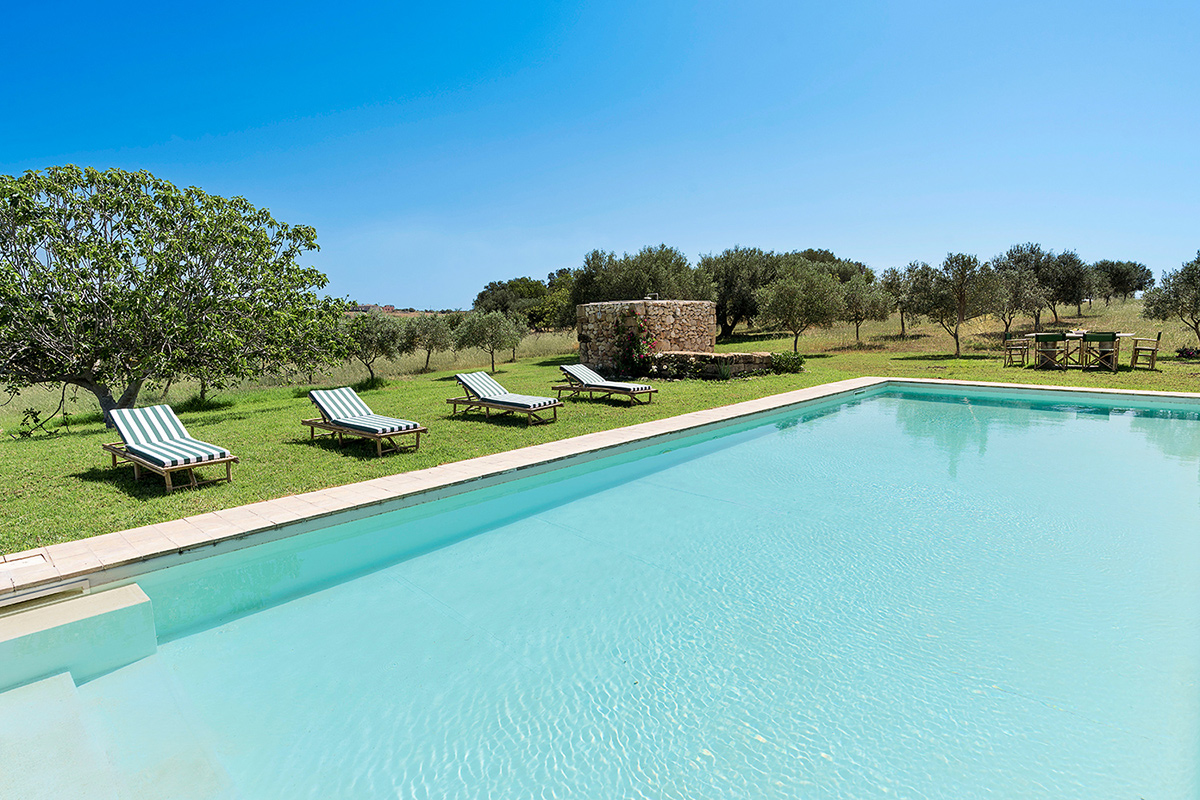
{"points": [[1015, 347], [1101, 350], [1145, 352], [1051, 350]]}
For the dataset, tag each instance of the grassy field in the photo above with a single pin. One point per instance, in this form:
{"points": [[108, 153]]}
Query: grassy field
{"points": [[63, 487]]}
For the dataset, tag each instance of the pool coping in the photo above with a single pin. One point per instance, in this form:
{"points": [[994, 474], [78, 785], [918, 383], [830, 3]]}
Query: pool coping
{"points": [[84, 564]]}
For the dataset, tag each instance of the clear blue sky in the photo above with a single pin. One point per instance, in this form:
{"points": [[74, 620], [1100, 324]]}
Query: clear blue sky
{"points": [[437, 146]]}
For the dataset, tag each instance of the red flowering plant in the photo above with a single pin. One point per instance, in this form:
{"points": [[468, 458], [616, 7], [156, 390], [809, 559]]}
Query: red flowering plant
{"points": [[634, 348]]}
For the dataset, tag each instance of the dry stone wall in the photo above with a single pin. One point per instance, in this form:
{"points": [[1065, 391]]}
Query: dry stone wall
{"points": [[675, 325]]}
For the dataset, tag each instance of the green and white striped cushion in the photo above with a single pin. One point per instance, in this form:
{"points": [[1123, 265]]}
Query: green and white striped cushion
{"points": [[340, 403], [481, 384], [483, 387], [156, 434], [177, 452], [589, 377], [374, 423], [347, 409], [146, 425]]}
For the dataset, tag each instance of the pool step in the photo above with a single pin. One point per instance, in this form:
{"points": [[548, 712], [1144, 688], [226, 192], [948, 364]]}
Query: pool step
{"points": [[152, 736], [46, 748]]}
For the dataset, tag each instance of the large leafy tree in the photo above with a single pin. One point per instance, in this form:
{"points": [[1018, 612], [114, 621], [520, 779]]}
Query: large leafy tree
{"points": [[804, 295], [516, 297], [659, 270], [110, 280], [958, 292], [1178, 297], [490, 332], [863, 300], [737, 273]]}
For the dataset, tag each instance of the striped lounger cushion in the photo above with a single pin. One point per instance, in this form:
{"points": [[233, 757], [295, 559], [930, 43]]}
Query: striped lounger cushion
{"points": [[589, 377], [485, 387], [157, 435], [344, 407]]}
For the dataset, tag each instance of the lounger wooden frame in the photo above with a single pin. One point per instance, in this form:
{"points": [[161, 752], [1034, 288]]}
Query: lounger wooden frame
{"points": [[118, 451], [534, 414], [340, 431]]}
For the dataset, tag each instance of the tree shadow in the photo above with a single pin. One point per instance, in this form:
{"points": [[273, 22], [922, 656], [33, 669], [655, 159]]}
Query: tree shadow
{"points": [[555, 361], [858, 346], [895, 337], [743, 338], [944, 357], [195, 403]]}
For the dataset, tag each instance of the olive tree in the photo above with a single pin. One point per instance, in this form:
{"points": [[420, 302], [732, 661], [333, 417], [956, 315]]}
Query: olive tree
{"points": [[375, 335], [1177, 297], [737, 273], [898, 284], [960, 291], [805, 294], [431, 333], [863, 300], [110, 280], [1017, 292], [490, 332]]}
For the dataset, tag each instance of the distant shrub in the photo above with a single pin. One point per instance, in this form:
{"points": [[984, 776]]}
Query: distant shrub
{"points": [[1188, 352], [787, 362]]}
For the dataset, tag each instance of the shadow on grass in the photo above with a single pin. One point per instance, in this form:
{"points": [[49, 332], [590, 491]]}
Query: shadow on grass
{"points": [[895, 337], [360, 449], [508, 420], [859, 347], [555, 361], [745, 338], [945, 357], [196, 403], [151, 485]]}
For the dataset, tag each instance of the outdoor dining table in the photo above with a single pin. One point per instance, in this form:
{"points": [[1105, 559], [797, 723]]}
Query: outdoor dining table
{"points": [[1076, 337]]}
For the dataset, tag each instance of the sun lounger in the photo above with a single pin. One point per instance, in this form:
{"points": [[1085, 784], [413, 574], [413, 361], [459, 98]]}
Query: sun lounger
{"points": [[153, 438], [483, 392], [343, 413], [582, 379]]}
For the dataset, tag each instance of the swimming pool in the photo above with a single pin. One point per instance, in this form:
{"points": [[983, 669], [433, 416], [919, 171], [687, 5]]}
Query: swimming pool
{"points": [[910, 594]]}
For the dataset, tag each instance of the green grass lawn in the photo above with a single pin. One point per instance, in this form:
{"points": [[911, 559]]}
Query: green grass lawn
{"points": [[64, 487]]}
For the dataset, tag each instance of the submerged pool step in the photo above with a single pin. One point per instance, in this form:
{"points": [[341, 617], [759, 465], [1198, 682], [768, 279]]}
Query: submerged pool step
{"points": [[153, 738], [86, 636], [47, 751]]}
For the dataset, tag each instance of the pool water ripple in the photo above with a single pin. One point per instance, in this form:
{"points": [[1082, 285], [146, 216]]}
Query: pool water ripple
{"points": [[903, 599]]}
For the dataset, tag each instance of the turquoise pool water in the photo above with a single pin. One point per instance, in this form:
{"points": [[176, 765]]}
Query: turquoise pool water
{"points": [[907, 596]]}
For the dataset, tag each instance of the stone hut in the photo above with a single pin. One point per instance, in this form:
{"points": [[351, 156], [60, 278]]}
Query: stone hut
{"points": [[677, 325]]}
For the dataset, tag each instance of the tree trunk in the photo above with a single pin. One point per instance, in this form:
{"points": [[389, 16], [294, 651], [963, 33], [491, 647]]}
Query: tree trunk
{"points": [[1079, 309], [726, 330], [493, 352], [796, 343], [104, 395], [902, 334], [370, 371], [203, 391], [1037, 321], [428, 353], [856, 339], [957, 347]]}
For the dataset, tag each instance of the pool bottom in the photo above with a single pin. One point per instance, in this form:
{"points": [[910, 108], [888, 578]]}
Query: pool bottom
{"points": [[852, 606]]}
